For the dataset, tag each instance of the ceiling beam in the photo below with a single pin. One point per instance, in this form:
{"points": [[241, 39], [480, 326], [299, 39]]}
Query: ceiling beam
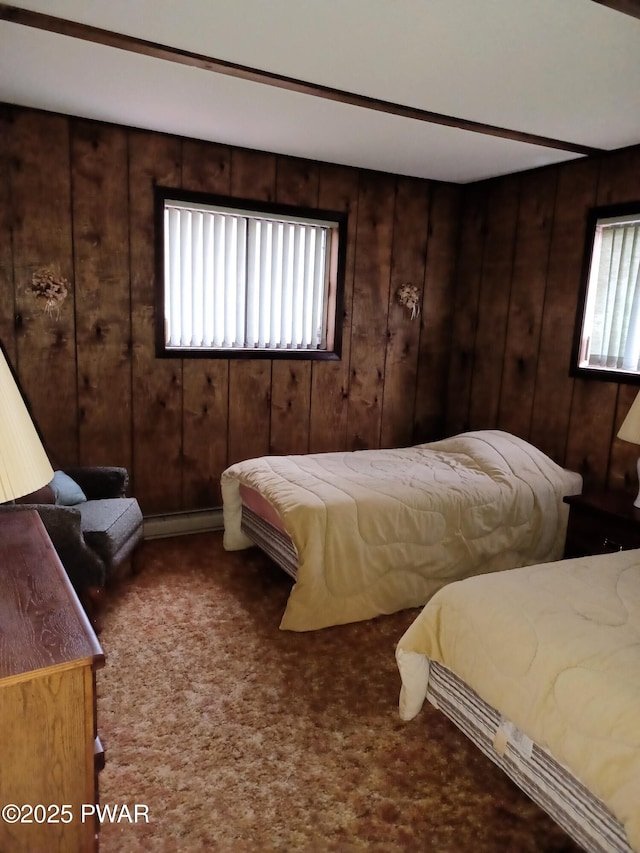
{"points": [[73, 29], [627, 7]]}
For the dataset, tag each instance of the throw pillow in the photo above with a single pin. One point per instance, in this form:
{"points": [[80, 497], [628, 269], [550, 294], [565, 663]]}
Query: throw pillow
{"points": [[67, 492]]}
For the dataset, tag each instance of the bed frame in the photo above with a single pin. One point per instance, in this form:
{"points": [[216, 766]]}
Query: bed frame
{"points": [[272, 541], [582, 815]]}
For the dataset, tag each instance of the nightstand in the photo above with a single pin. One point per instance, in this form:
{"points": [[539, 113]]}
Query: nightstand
{"points": [[601, 522]]}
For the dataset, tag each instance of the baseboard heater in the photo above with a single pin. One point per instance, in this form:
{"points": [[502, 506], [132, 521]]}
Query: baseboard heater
{"points": [[183, 523]]}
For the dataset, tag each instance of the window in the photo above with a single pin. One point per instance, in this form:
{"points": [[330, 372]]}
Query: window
{"points": [[248, 279], [607, 336]]}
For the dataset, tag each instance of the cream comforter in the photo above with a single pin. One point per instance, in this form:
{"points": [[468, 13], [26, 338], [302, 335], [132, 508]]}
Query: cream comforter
{"points": [[378, 531], [556, 650]]}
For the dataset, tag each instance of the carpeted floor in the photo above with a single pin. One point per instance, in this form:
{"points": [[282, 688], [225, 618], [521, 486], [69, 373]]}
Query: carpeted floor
{"points": [[239, 737]]}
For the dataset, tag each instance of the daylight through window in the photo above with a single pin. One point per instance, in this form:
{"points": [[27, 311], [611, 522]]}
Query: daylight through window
{"points": [[609, 339], [240, 279]]}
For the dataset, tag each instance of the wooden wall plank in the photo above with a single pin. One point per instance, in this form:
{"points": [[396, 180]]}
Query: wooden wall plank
{"points": [[99, 163], [575, 194], [502, 198], [297, 183], [157, 382], [408, 262], [330, 379], [41, 201], [527, 299], [253, 175], [206, 167], [437, 313], [465, 311], [622, 471], [370, 303], [290, 406], [620, 177], [593, 407], [7, 305]]}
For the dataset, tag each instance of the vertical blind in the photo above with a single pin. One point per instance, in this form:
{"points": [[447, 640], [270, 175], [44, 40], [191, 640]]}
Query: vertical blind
{"points": [[612, 320], [243, 280]]}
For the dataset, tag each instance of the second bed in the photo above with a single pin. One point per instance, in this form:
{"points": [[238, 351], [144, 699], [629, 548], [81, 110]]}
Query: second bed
{"points": [[371, 532]]}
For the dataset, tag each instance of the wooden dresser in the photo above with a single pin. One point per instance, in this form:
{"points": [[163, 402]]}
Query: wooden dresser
{"points": [[50, 754]]}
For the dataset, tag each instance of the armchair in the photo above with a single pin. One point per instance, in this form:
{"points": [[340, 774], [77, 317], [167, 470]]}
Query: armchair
{"points": [[95, 537]]}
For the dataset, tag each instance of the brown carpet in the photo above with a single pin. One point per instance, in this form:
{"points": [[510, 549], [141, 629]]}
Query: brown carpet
{"points": [[242, 737]]}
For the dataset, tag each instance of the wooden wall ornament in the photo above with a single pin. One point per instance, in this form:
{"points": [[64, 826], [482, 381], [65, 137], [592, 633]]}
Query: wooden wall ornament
{"points": [[408, 295], [50, 287]]}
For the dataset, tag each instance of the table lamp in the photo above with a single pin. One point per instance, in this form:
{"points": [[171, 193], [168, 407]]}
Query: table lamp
{"points": [[630, 431], [24, 465]]}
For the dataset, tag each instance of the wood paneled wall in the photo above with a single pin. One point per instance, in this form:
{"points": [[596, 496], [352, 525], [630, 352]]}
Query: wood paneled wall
{"points": [[498, 263], [77, 196], [521, 254]]}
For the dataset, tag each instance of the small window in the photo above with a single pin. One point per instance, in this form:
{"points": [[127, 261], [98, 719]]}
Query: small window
{"points": [[242, 278], [607, 336]]}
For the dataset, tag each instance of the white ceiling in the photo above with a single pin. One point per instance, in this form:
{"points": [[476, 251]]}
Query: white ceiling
{"points": [[562, 69]]}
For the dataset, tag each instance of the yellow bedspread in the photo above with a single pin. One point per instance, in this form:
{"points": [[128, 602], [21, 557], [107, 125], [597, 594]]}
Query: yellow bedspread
{"points": [[378, 531], [555, 649]]}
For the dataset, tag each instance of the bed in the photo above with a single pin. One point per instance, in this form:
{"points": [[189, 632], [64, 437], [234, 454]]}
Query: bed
{"points": [[540, 667], [371, 532]]}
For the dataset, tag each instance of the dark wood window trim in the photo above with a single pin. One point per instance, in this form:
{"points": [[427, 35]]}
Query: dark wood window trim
{"points": [[337, 262], [600, 374]]}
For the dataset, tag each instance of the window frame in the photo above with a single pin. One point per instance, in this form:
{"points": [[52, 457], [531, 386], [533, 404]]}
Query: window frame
{"points": [[336, 279], [602, 374]]}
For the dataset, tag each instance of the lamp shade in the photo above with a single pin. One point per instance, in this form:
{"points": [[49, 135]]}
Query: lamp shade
{"points": [[24, 465], [630, 429]]}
